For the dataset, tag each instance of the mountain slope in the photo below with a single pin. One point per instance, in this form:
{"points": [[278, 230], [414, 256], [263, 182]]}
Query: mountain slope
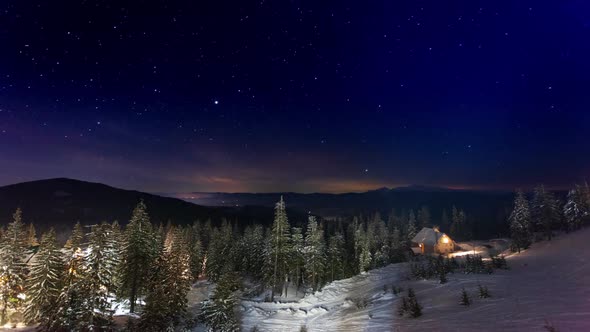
{"points": [[547, 283], [61, 202]]}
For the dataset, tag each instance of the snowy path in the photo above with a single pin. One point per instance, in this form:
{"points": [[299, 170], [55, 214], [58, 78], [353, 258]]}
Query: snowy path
{"points": [[329, 309], [549, 282]]}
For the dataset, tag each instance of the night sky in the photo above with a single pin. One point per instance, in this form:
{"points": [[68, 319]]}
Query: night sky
{"points": [[276, 95]]}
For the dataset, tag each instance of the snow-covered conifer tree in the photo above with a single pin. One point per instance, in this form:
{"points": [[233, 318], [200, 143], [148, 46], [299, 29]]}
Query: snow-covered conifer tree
{"points": [[297, 260], [45, 279], [279, 247], [336, 257], [13, 270], [219, 312], [315, 258], [138, 253], [520, 223]]}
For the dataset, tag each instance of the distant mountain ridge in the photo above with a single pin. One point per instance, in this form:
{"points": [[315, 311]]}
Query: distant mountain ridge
{"points": [[488, 210], [61, 202]]}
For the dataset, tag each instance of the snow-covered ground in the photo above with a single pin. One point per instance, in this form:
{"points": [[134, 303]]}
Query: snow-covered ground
{"points": [[548, 283]]}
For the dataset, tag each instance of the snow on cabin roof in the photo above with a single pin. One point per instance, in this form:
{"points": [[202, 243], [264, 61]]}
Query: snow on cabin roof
{"points": [[428, 236]]}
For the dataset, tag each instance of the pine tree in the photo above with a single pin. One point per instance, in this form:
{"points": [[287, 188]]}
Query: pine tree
{"points": [[396, 254], [98, 274], [362, 249], [219, 254], [403, 307], [45, 281], [520, 223], [196, 259], [71, 303], [76, 238], [297, 259], [138, 253], [465, 300], [335, 256], [574, 209], [483, 292], [169, 283], [544, 211], [314, 253], [414, 308], [253, 249], [13, 273], [32, 236], [279, 249], [219, 312], [178, 279]]}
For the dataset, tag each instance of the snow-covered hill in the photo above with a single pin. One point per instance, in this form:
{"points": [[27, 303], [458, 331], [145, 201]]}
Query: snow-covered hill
{"points": [[547, 283]]}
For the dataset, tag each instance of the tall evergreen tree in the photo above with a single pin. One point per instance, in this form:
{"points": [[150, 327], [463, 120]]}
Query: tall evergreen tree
{"points": [[98, 275], [169, 283], [13, 273], [45, 281], [544, 211], [575, 210], [520, 223], [297, 259], [220, 258], [138, 253], [76, 238], [219, 312], [279, 248], [336, 256], [32, 236], [315, 258]]}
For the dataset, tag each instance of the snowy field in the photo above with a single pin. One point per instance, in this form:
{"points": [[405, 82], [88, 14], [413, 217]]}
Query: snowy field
{"points": [[548, 283]]}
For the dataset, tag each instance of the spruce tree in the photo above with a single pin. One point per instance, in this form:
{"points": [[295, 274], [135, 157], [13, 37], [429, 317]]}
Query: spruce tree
{"points": [[14, 270], [414, 308], [573, 210], [335, 256], [45, 281], [98, 275], [544, 211], [219, 254], [219, 312], [279, 249], [138, 253], [520, 223], [465, 300], [483, 292], [169, 284], [297, 255], [396, 254], [314, 253], [76, 238], [32, 236]]}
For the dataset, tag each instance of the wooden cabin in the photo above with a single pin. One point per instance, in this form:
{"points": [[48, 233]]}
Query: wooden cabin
{"points": [[432, 241]]}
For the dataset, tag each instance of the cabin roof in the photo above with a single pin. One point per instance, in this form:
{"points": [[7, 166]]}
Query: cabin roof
{"points": [[428, 236]]}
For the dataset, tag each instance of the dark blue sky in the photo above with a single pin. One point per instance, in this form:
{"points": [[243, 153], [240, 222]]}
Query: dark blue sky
{"points": [[173, 96]]}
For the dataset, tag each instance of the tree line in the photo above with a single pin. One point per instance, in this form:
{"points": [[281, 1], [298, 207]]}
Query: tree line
{"points": [[543, 214], [151, 268]]}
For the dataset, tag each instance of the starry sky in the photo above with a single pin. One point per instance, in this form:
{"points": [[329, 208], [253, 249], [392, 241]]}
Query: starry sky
{"points": [[277, 95]]}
